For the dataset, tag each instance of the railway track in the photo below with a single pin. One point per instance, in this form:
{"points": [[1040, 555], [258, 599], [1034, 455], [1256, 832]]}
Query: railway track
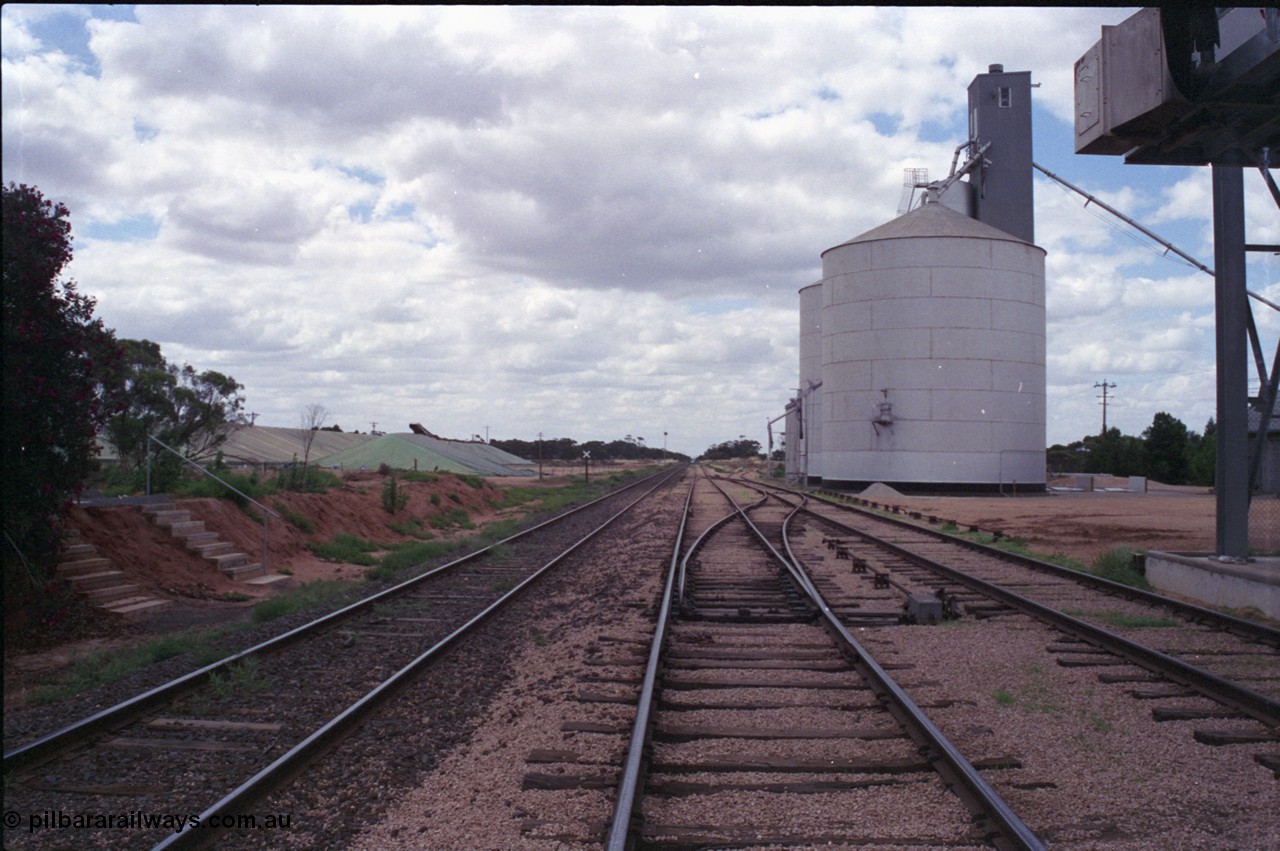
{"points": [[1095, 666], [890, 564], [205, 746], [762, 721]]}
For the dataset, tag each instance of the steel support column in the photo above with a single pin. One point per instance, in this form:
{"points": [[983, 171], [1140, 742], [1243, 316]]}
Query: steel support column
{"points": [[1232, 480]]}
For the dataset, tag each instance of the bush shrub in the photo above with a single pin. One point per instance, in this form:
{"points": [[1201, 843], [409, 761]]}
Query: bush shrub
{"points": [[393, 499]]}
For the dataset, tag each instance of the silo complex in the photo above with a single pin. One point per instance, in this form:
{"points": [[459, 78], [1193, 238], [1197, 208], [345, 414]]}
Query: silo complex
{"points": [[922, 349], [932, 364]]}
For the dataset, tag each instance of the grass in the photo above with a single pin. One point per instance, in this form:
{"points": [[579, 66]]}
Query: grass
{"points": [[242, 677], [320, 592], [453, 518], [411, 527], [1019, 547], [500, 530], [1118, 566], [234, 597], [204, 486], [549, 499], [1003, 697], [348, 549], [106, 666], [404, 556], [293, 518]]}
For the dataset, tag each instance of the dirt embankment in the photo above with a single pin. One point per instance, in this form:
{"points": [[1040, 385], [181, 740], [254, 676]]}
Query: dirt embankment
{"points": [[160, 565], [1082, 525]]}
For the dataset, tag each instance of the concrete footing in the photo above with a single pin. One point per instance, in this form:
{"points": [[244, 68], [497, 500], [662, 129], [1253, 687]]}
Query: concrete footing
{"points": [[1252, 585]]}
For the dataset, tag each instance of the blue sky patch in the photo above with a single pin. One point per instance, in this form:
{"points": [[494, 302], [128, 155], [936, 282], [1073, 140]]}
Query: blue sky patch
{"points": [[364, 175], [131, 229], [66, 31]]}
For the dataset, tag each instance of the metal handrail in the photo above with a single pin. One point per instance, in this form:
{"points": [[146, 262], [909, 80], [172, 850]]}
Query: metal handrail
{"points": [[225, 483]]}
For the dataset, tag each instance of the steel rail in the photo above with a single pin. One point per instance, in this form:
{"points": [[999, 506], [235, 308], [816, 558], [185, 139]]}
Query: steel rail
{"points": [[697, 544], [1007, 830], [49, 744], [1255, 705], [624, 810], [1239, 625], [289, 763], [633, 768]]}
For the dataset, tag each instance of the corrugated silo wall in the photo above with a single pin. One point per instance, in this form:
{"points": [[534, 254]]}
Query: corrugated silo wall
{"points": [[950, 333]]}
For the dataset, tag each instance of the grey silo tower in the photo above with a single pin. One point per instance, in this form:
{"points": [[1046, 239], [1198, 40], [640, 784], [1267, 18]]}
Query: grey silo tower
{"points": [[1000, 113]]}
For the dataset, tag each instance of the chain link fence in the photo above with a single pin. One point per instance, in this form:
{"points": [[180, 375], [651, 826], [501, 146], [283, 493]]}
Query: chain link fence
{"points": [[1264, 524]]}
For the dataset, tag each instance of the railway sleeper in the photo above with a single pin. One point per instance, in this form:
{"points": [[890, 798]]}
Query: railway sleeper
{"points": [[560, 782], [694, 836], [668, 732], [1206, 736], [1179, 713], [759, 763], [677, 788]]}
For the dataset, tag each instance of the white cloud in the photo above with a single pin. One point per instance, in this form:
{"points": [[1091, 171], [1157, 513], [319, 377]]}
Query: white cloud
{"points": [[586, 221]]}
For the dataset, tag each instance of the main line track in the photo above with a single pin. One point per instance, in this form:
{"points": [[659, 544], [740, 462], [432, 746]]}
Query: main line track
{"points": [[763, 722], [215, 740]]}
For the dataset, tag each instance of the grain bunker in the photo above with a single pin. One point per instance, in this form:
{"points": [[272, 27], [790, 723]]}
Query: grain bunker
{"points": [[922, 349]]}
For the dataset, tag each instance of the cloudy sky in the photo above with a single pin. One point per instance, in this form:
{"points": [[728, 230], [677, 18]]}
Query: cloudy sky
{"points": [[587, 222]]}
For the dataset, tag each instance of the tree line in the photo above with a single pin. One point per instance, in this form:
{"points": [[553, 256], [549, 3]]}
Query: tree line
{"points": [[1167, 451], [568, 449], [67, 380]]}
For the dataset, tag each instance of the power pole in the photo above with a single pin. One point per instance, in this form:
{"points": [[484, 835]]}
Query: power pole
{"points": [[1105, 386]]}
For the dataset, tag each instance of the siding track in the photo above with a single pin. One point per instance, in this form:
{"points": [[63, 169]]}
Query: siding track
{"points": [[1233, 662]]}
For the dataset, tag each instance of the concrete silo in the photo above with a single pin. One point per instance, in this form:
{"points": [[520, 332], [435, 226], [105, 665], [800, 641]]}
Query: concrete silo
{"points": [[804, 416], [933, 357], [930, 374]]}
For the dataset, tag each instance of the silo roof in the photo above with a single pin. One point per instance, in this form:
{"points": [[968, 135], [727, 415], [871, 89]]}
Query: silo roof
{"points": [[933, 220]]}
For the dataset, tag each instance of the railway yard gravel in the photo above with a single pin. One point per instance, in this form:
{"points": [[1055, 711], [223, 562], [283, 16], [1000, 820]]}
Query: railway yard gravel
{"points": [[470, 755]]}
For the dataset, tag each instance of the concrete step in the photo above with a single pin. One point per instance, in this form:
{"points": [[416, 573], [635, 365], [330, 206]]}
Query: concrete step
{"points": [[165, 519], [136, 608], [202, 538], [244, 572], [226, 560], [72, 552], [211, 549], [107, 593], [101, 579], [267, 579], [184, 528], [80, 567], [159, 507]]}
